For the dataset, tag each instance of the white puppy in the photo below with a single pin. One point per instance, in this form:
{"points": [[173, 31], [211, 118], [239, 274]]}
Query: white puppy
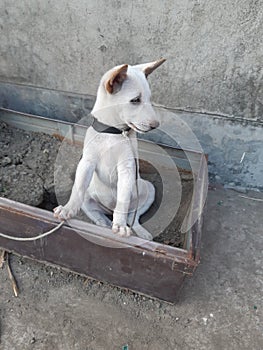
{"points": [[107, 179]]}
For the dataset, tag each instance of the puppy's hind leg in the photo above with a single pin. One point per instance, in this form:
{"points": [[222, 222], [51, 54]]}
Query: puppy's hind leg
{"points": [[141, 231], [146, 192], [96, 213]]}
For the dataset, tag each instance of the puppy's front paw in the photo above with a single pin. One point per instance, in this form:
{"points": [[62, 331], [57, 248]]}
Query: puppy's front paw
{"points": [[123, 231], [63, 213]]}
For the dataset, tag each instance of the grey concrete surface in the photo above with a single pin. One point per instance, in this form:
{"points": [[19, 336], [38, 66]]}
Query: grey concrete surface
{"points": [[214, 48], [219, 308], [235, 150]]}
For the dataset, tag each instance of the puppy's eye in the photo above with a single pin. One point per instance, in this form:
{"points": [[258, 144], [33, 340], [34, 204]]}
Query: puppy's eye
{"points": [[136, 100]]}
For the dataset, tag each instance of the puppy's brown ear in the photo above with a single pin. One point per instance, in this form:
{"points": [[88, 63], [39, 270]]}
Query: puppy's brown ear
{"points": [[148, 68], [114, 83]]}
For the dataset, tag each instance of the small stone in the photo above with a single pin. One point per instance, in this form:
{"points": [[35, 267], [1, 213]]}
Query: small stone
{"points": [[6, 161], [33, 340], [158, 305]]}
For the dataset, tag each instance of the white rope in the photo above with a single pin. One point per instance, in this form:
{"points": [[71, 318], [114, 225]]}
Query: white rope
{"points": [[23, 239], [252, 198]]}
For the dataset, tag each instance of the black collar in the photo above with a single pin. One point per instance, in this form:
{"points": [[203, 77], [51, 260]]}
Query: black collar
{"points": [[104, 128]]}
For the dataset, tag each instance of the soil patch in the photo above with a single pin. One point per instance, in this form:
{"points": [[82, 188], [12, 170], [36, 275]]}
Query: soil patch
{"points": [[38, 169]]}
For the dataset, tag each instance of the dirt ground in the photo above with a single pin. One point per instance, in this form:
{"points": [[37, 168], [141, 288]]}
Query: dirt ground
{"points": [[220, 307], [27, 165]]}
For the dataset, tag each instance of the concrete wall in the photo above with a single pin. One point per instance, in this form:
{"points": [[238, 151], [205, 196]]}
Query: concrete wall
{"points": [[214, 51], [214, 48]]}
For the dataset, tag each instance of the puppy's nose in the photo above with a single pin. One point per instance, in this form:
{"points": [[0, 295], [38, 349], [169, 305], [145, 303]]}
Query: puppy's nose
{"points": [[154, 124]]}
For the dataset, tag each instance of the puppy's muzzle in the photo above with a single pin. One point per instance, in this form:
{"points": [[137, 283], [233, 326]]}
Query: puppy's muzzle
{"points": [[144, 126]]}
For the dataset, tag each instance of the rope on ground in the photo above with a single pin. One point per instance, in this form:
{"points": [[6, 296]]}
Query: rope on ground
{"points": [[252, 198]]}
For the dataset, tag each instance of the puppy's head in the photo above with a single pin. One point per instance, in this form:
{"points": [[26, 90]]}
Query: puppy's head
{"points": [[124, 97]]}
